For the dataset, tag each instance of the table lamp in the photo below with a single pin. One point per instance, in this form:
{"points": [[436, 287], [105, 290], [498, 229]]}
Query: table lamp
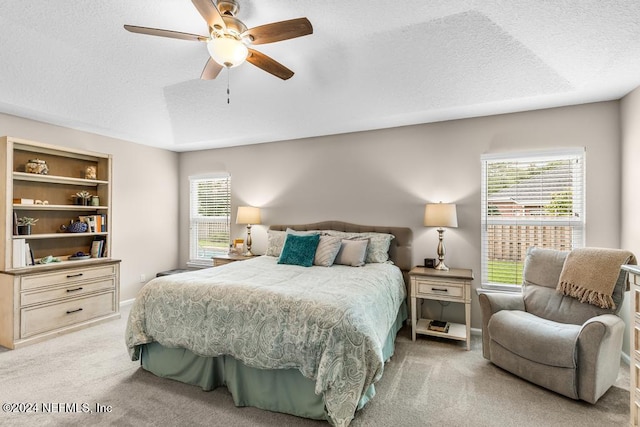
{"points": [[250, 216], [441, 215]]}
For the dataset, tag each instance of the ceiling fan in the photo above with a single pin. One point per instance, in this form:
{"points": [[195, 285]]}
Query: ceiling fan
{"points": [[229, 40]]}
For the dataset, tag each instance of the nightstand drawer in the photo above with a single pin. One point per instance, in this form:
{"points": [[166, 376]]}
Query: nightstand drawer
{"points": [[219, 260], [428, 289]]}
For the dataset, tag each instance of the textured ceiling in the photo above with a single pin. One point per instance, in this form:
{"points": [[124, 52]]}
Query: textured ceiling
{"points": [[370, 64]]}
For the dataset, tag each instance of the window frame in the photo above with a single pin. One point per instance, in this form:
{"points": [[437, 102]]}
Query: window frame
{"points": [[577, 221], [197, 255]]}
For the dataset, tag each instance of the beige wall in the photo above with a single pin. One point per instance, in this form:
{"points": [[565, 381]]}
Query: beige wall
{"points": [[145, 194], [375, 177], [630, 228], [385, 177]]}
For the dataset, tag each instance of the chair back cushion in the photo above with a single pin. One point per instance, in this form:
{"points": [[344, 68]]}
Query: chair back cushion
{"points": [[542, 268]]}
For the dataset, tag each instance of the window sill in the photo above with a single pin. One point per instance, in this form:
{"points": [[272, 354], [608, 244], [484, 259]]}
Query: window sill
{"points": [[498, 291]]}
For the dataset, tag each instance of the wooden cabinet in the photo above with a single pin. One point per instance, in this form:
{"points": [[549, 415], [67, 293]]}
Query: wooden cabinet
{"points": [[40, 300], [450, 286], [634, 351]]}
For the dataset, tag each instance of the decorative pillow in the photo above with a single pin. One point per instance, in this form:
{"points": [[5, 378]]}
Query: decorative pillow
{"points": [[378, 248], [328, 249], [275, 242], [352, 252], [299, 250]]}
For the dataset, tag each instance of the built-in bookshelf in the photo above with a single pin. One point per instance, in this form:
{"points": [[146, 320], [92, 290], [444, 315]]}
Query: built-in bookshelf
{"points": [[50, 279]]}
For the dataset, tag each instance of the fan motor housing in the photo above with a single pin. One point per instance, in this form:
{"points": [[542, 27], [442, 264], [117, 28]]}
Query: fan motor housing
{"points": [[228, 7]]}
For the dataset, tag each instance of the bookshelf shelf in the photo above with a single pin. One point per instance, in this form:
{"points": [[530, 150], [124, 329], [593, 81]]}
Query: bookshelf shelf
{"points": [[79, 208], [57, 236]]}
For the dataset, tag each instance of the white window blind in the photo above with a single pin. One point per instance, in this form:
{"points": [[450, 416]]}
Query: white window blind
{"points": [[534, 199], [210, 216]]}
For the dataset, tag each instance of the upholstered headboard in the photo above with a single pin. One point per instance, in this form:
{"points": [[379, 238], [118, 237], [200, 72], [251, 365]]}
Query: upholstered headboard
{"points": [[399, 250]]}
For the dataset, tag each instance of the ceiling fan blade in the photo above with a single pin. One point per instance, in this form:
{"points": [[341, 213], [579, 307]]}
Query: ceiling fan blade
{"points": [[211, 70], [278, 31], [210, 13], [269, 65], [164, 33]]}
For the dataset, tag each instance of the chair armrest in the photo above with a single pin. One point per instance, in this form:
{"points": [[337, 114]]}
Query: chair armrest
{"points": [[493, 303], [599, 349]]}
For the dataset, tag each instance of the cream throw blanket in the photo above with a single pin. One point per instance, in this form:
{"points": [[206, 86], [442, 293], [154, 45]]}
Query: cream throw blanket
{"points": [[590, 274]]}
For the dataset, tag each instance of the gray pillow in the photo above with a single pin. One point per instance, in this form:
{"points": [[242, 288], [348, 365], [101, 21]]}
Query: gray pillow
{"points": [[378, 247], [352, 252], [327, 250]]}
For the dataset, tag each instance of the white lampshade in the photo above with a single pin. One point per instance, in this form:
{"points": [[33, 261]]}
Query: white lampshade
{"points": [[248, 215], [227, 51], [440, 215]]}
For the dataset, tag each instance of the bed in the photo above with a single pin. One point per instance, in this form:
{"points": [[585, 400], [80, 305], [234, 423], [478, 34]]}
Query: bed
{"points": [[307, 341]]}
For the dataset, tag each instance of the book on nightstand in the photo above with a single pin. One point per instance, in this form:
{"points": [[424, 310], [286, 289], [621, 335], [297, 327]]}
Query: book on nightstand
{"points": [[439, 326]]}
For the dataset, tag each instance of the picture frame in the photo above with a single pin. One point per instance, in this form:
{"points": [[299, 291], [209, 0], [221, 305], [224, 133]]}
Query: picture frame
{"points": [[237, 247]]}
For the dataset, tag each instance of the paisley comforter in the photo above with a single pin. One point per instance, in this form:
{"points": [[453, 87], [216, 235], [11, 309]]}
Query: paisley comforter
{"points": [[328, 322]]}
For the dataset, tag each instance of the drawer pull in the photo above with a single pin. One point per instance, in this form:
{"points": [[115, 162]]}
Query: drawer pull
{"points": [[73, 311], [76, 289], [69, 276], [440, 290]]}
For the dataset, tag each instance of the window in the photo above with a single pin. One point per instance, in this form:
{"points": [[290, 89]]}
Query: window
{"points": [[534, 199], [210, 217]]}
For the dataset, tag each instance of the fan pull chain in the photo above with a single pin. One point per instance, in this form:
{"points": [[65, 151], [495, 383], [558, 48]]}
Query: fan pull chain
{"points": [[228, 93]]}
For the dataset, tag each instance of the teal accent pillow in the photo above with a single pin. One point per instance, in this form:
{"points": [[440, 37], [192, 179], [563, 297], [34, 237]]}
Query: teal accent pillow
{"points": [[299, 250]]}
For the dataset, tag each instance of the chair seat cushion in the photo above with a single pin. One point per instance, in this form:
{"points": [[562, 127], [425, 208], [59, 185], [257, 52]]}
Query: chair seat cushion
{"points": [[534, 338]]}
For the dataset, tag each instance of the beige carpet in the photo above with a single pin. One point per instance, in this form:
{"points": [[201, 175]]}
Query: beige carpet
{"points": [[427, 383]]}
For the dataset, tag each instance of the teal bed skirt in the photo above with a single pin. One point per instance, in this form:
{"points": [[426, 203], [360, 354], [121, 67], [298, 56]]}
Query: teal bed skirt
{"points": [[278, 390]]}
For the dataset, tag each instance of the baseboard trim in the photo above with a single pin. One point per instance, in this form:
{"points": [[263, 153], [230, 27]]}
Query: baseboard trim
{"points": [[127, 302]]}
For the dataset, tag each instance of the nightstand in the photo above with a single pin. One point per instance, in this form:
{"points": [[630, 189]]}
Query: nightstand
{"points": [[219, 260], [453, 286]]}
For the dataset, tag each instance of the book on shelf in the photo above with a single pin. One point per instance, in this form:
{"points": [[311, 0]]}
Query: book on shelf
{"points": [[98, 247], [28, 255], [94, 222], [19, 201], [439, 326], [19, 253]]}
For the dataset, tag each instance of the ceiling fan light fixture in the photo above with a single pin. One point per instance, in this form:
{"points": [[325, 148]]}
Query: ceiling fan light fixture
{"points": [[227, 51]]}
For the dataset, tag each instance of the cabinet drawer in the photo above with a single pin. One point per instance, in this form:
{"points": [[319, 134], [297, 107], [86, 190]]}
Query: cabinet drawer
{"points": [[66, 276], [428, 289], [53, 316], [71, 290]]}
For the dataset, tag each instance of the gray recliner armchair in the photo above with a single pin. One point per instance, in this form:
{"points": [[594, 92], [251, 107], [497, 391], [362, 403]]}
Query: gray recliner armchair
{"points": [[553, 340]]}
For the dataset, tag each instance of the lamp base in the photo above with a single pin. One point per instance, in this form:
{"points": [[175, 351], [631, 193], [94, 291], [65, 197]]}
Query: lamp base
{"points": [[441, 266], [441, 251], [248, 252]]}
